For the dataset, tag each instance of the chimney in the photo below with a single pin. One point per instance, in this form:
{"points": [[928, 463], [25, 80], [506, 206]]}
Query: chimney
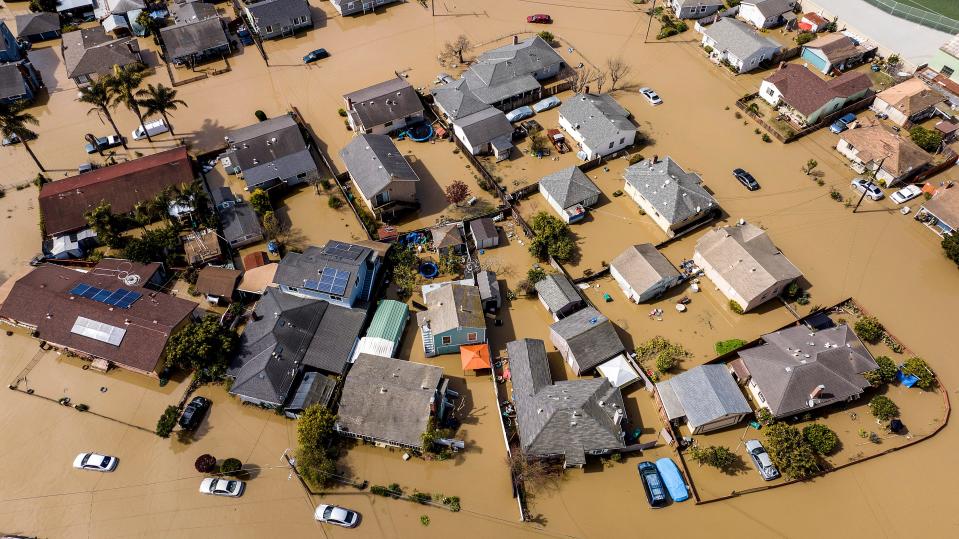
{"points": [[586, 90], [655, 158], [515, 40], [782, 65], [349, 103], [815, 393]]}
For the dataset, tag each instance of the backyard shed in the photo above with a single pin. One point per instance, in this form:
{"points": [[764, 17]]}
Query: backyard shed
{"points": [[643, 273], [489, 290], [386, 329], [485, 234], [707, 397], [558, 295]]}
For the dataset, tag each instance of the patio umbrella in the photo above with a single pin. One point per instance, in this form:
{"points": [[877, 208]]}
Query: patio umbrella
{"points": [[475, 357]]}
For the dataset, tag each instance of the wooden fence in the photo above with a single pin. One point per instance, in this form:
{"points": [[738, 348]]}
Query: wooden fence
{"points": [[785, 138]]}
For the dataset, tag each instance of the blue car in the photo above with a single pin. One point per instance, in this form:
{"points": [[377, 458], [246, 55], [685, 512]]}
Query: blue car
{"points": [[521, 113], [245, 37], [313, 56], [842, 124]]}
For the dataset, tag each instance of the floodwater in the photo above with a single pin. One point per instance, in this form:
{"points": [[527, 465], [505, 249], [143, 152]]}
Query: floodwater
{"points": [[890, 263]]}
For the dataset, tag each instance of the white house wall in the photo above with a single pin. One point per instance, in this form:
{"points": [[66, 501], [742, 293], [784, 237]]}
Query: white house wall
{"points": [[647, 207]]}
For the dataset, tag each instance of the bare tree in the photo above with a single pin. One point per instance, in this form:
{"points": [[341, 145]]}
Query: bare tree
{"points": [[453, 50], [618, 70], [600, 79], [531, 474], [578, 79]]}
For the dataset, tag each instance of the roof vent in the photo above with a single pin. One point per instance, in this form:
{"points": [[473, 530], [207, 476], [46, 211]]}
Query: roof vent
{"points": [[539, 411], [382, 390], [805, 355]]}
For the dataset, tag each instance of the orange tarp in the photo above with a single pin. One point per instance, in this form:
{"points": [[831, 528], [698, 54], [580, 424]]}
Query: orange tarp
{"points": [[475, 357]]}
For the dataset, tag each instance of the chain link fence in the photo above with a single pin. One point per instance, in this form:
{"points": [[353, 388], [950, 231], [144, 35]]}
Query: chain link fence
{"points": [[917, 15]]}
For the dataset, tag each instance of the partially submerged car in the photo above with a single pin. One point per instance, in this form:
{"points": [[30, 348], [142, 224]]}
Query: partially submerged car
{"points": [[546, 104], [762, 460], [334, 514], [651, 96], [652, 484], [906, 194], [521, 113], [95, 462], [193, 413], [315, 55], [104, 143], [232, 488], [842, 124], [873, 192]]}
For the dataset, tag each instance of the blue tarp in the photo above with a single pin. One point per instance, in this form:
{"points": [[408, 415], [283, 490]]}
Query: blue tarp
{"points": [[673, 479], [907, 380]]}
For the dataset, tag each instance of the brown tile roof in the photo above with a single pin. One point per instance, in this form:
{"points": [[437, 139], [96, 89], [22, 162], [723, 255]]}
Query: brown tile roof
{"points": [[911, 97], [875, 143], [201, 246], [42, 299], [837, 47], [806, 92], [255, 260], [121, 268], [945, 206], [63, 202], [217, 281]]}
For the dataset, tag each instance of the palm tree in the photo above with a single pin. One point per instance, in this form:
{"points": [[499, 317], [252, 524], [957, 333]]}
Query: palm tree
{"points": [[122, 84], [14, 122], [160, 100], [97, 94]]}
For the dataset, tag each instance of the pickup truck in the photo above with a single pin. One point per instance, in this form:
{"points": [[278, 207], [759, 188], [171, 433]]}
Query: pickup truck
{"points": [[109, 141]]}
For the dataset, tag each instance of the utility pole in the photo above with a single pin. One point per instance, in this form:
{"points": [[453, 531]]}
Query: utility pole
{"points": [[869, 183], [650, 23]]}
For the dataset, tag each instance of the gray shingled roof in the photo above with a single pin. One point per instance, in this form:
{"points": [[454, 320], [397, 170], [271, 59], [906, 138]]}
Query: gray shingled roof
{"points": [[485, 125], [388, 399], [792, 362], [697, 3], [771, 8], [557, 292], [569, 187], [642, 266], [452, 306], [11, 81], [296, 268], [456, 99], [385, 102], [483, 229], [278, 12], [194, 37], [239, 221], [91, 50], [374, 163], [566, 418], [598, 118], [508, 70], [676, 194], [488, 285], [738, 38], [702, 395], [591, 337], [192, 11], [31, 24], [270, 150]]}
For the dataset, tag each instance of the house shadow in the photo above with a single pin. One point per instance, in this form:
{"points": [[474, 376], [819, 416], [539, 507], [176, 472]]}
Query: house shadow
{"points": [[319, 17], [428, 192]]}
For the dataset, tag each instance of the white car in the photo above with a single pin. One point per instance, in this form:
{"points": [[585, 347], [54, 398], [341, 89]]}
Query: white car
{"points": [[153, 128], [873, 192], [222, 487], [906, 194], [95, 462], [651, 96], [334, 514]]}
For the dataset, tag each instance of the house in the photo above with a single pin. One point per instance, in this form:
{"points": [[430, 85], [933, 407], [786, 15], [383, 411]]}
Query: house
{"points": [[736, 44], [941, 212], [269, 153], [599, 124], [448, 237], [217, 284], [807, 98], [152, 275], [484, 232], [585, 339], [485, 132], [453, 316], [384, 108], [812, 22], [489, 290], [119, 16], [76, 10], [643, 273], [836, 53], [946, 60], [257, 279], [273, 19], [63, 203], [287, 336], [695, 9], [383, 177], [390, 402], [9, 48], [908, 102], [894, 159], [240, 224], [201, 246], [744, 264], [195, 41], [352, 7], [97, 315], [19, 81], [569, 419], [185, 11], [558, 296], [341, 273], [706, 398], [90, 53], [673, 198], [765, 13], [797, 370], [569, 192], [36, 27], [383, 336]]}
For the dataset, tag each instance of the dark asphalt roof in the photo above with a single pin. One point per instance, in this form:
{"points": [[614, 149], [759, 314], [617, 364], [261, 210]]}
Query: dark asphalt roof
{"points": [[385, 102], [194, 37]]}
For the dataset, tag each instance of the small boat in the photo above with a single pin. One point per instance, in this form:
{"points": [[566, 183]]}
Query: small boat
{"points": [[672, 479]]}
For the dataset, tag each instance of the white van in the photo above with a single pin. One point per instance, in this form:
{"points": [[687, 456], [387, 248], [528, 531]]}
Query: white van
{"points": [[154, 128]]}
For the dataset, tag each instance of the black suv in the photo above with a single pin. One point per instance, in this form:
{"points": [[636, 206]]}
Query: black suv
{"points": [[193, 413], [746, 179]]}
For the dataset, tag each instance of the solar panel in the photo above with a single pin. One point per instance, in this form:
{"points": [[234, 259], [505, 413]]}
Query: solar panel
{"points": [[101, 295], [98, 330], [129, 299], [90, 292], [115, 297], [79, 289], [311, 284]]}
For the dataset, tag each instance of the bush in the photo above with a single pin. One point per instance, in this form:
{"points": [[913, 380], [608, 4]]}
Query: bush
{"points": [[790, 451], [635, 158], [334, 202], [535, 275], [927, 139], [205, 463], [883, 408], [766, 138], [950, 246], [551, 237], [260, 115], [869, 329], [805, 37], [719, 457], [835, 194], [885, 374], [420, 497], [708, 49], [666, 354], [735, 307], [260, 200], [231, 466], [724, 347], [341, 112], [546, 36], [167, 421], [765, 417], [821, 438], [917, 367]]}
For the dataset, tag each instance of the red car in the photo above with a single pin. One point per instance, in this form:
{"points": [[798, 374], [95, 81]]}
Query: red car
{"points": [[539, 19]]}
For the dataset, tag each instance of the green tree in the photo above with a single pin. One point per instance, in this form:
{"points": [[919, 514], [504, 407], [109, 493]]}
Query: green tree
{"points": [[157, 245], [804, 37], [205, 347], [159, 100], [821, 438], [735, 307], [535, 275], [105, 224], [231, 466], [927, 139], [14, 122], [546, 36], [950, 246], [810, 166], [883, 408], [790, 451], [869, 329], [151, 24], [665, 353], [260, 200], [123, 84], [719, 457], [917, 367], [47, 6], [885, 374], [551, 237], [315, 437], [97, 95], [167, 421]]}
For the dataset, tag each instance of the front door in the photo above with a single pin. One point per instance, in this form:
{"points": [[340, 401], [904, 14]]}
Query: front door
{"points": [[381, 198]]}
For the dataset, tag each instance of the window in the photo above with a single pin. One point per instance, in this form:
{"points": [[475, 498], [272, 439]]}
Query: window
{"points": [[770, 91], [471, 336], [269, 29], [336, 298], [947, 71], [389, 123], [447, 340], [622, 140], [761, 397], [610, 145], [294, 289], [702, 9]]}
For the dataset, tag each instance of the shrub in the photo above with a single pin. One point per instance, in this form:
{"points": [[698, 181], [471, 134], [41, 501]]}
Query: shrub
{"points": [[635, 158], [756, 131], [885, 374], [454, 502], [790, 451], [260, 115], [260, 200], [167, 421], [724, 347], [735, 307], [927, 139], [341, 112], [420, 497], [917, 367], [618, 193], [719, 457], [835, 194], [765, 417], [205, 463], [869, 329], [231, 466], [535, 275], [805, 37], [425, 520], [708, 49], [81, 407], [546, 36], [766, 138], [738, 115], [666, 354], [334, 202], [883, 408], [821, 438]]}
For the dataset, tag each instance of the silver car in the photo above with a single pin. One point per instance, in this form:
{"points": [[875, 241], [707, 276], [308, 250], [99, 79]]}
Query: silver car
{"points": [[222, 487], [334, 514], [873, 192], [761, 459], [95, 462]]}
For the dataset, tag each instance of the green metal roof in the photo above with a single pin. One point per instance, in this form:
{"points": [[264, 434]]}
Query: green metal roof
{"points": [[389, 321]]}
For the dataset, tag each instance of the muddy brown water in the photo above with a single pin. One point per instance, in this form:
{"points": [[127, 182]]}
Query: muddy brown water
{"points": [[890, 263]]}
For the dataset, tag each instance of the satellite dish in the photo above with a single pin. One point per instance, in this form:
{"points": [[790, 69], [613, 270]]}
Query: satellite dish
{"points": [[131, 279]]}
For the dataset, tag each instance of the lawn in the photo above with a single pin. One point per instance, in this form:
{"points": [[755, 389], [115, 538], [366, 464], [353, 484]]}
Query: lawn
{"points": [[948, 8]]}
